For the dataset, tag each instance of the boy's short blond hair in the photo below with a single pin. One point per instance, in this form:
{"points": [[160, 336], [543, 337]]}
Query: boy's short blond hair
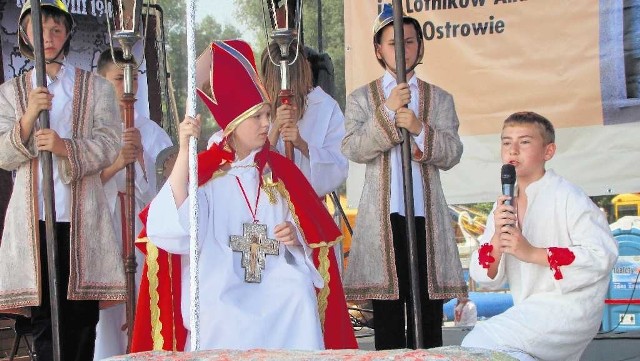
{"points": [[546, 128], [106, 59]]}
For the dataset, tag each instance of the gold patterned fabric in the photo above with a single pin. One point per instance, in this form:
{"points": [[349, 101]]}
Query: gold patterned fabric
{"points": [[370, 135]]}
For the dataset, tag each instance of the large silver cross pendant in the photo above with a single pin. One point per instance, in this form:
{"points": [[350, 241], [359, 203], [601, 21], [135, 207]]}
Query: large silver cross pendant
{"points": [[254, 246]]}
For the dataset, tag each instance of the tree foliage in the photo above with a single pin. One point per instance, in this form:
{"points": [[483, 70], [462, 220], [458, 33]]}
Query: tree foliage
{"points": [[250, 13], [207, 30]]}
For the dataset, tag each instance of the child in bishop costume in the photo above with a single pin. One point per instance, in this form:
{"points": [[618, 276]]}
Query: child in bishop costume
{"points": [[267, 278]]}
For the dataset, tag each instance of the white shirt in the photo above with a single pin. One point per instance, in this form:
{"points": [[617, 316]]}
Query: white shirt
{"points": [[397, 192], [111, 340], [468, 314], [154, 140], [322, 127], [59, 121]]}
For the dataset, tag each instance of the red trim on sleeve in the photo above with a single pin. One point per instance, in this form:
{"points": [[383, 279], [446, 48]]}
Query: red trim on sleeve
{"points": [[558, 257], [484, 255]]}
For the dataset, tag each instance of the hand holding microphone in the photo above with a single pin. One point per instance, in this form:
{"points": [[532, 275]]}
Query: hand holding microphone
{"points": [[508, 178], [504, 214], [510, 238]]}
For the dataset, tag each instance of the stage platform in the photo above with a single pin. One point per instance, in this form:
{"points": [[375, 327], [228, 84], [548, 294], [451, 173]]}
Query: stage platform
{"points": [[624, 346], [612, 346], [448, 353]]}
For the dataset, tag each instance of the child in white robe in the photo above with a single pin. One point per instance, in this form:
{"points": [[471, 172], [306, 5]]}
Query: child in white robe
{"points": [[465, 313], [554, 249], [141, 144], [313, 122]]}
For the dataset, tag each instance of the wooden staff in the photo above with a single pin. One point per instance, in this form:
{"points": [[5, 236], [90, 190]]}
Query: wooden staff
{"points": [[128, 100], [285, 96], [414, 311], [127, 34], [46, 160]]}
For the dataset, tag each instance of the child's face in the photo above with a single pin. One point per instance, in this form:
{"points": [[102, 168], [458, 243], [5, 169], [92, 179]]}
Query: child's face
{"points": [[115, 76], [524, 147], [386, 49], [252, 132], [54, 36]]}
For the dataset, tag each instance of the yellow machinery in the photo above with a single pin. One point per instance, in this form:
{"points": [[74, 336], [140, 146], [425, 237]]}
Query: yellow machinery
{"points": [[626, 204]]}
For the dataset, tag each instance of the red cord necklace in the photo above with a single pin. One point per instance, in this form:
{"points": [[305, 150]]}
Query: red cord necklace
{"points": [[254, 211]]}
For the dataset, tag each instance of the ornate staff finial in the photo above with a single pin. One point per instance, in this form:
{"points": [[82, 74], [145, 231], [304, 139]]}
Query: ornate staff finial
{"points": [[283, 33]]}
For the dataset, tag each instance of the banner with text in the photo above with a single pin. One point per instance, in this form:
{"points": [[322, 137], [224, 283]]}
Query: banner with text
{"points": [[89, 39], [497, 57]]}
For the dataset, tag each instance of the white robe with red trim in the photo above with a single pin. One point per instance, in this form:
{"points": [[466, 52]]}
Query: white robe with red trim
{"points": [[551, 319]]}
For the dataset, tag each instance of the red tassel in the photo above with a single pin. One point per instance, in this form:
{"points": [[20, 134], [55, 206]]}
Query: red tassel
{"points": [[557, 257], [484, 255]]}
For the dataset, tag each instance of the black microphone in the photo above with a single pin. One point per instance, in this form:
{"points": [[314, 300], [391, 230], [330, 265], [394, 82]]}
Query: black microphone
{"points": [[508, 178]]}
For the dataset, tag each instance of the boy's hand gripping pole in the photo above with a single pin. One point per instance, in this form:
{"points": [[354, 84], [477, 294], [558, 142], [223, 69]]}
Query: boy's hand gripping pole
{"points": [[46, 159]]}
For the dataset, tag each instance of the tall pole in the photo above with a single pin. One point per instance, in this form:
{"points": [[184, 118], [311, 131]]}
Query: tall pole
{"points": [[194, 257], [414, 311], [127, 34], [320, 40], [127, 40], [46, 160], [128, 100]]}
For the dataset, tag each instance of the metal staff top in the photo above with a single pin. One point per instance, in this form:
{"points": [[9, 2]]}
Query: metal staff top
{"points": [[284, 37]]}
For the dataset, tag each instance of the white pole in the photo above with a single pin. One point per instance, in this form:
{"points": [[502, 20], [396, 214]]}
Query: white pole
{"points": [[194, 315]]}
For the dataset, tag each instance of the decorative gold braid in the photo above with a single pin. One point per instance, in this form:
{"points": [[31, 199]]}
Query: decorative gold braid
{"points": [[323, 249], [323, 295], [217, 174], [326, 244], [242, 117], [252, 165], [152, 274], [279, 186], [270, 188], [173, 310]]}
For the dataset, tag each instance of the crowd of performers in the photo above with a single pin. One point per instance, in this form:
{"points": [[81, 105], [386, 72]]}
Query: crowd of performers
{"points": [[268, 272]]}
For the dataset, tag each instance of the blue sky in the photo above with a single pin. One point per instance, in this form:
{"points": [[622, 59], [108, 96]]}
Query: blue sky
{"points": [[224, 11], [221, 10]]}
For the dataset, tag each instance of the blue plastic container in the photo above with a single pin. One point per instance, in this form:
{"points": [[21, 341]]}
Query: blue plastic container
{"points": [[622, 303]]}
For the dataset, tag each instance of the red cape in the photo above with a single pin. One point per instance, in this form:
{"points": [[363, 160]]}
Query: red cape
{"points": [[158, 323]]}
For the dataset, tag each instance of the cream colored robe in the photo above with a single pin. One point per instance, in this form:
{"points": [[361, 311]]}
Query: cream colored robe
{"points": [[96, 264], [370, 135]]}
